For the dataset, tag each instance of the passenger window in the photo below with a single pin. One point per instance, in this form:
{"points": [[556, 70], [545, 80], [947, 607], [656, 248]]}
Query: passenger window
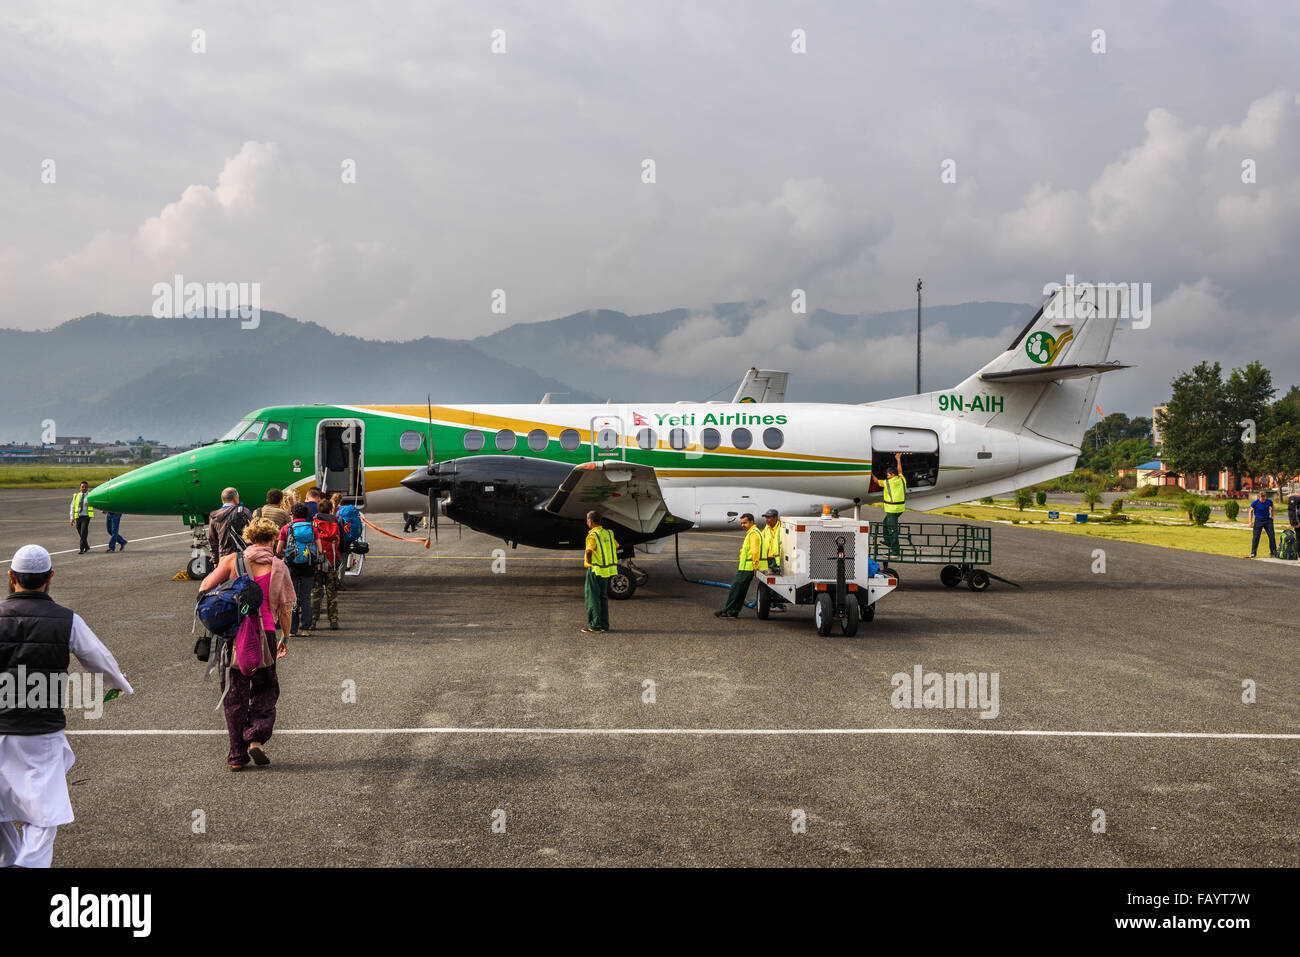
{"points": [[570, 440], [473, 440], [741, 438], [606, 439], [252, 432], [538, 440], [506, 440], [276, 432], [408, 441], [678, 439], [710, 438], [773, 438], [646, 439]]}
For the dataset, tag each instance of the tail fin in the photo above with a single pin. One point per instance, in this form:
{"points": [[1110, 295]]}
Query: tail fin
{"points": [[1044, 383], [762, 385]]}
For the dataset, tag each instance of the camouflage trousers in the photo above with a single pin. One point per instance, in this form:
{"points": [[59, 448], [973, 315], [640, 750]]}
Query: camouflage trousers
{"points": [[327, 586]]}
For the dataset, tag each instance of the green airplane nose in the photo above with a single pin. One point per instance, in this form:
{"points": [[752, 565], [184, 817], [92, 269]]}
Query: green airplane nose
{"points": [[160, 488]]}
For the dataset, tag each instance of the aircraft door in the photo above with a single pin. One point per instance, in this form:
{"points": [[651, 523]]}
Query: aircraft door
{"points": [[607, 438], [340, 459], [920, 449]]}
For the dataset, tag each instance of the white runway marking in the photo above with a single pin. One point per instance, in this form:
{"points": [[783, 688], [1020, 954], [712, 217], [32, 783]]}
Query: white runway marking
{"points": [[737, 732], [129, 541]]}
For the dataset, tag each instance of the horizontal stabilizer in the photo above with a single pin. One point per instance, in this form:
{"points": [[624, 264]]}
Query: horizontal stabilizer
{"points": [[1052, 373]]}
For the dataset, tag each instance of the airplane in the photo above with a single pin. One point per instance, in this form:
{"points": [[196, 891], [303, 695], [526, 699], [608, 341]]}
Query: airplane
{"points": [[529, 473]]}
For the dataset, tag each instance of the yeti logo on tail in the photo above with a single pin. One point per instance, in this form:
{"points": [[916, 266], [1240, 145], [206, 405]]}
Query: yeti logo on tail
{"points": [[1043, 348]]}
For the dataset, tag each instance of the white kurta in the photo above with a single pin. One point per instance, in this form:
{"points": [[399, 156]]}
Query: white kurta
{"points": [[34, 767]]}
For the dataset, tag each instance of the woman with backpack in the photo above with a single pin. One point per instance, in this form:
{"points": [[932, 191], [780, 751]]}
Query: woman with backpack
{"points": [[253, 690], [300, 549]]}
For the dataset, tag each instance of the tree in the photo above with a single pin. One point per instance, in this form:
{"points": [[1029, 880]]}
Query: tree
{"points": [[1276, 452], [1193, 428], [146, 453], [1091, 497], [1022, 498], [1246, 398]]}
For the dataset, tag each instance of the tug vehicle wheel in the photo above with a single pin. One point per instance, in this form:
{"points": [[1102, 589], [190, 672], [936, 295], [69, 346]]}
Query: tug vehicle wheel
{"points": [[950, 575], [977, 580], [823, 614], [849, 623]]}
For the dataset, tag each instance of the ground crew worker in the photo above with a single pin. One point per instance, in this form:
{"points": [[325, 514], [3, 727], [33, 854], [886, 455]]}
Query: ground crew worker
{"points": [[80, 515], [771, 535], [895, 493], [751, 557], [37, 637], [601, 561]]}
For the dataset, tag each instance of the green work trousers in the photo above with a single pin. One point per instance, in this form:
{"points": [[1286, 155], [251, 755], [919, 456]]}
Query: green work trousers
{"points": [[736, 597], [891, 532], [597, 595]]}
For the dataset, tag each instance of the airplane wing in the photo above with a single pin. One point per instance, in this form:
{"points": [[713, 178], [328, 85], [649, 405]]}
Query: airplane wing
{"points": [[762, 385], [627, 493]]}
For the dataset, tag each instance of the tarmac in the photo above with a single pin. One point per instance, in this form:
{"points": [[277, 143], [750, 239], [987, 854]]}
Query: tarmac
{"points": [[486, 730]]}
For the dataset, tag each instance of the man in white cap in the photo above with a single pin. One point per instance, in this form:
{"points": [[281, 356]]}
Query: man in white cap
{"points": [[36, 638]]}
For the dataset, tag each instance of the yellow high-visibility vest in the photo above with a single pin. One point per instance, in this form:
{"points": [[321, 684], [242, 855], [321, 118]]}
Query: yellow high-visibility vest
{"points": [[771, 544], [604, 552], [747, 549], [76, 505], [895, 490]]}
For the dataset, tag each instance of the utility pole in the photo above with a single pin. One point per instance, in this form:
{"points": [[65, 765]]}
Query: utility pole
{"points": [[918, 336]]}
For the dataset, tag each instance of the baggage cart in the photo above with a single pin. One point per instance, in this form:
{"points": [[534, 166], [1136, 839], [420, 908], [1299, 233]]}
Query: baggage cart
{"points": [[958, 547]]}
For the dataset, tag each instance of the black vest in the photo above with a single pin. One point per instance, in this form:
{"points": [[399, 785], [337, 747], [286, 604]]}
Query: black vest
{"points": [[35, 632]]}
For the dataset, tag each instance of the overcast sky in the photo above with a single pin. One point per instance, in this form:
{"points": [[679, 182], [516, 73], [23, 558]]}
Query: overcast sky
{"points": [[774, 170]]}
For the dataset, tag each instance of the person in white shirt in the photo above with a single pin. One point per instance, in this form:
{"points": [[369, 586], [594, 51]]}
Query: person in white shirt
{"points": [[37, 639]]}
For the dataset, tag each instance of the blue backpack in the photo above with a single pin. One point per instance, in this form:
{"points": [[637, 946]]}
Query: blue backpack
{"points": [[300, 544], [223, 608], [350, 527]]}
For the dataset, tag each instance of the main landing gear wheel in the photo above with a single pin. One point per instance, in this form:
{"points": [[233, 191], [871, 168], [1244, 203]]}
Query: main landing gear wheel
{"points": [[849, 623], [622, 584], [977, 580], [823, 614], [764, 605], [200, 567], [950, 575]]}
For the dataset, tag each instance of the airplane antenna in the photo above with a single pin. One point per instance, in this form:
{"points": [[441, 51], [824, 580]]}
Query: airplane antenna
{"points": [[918, 336]]}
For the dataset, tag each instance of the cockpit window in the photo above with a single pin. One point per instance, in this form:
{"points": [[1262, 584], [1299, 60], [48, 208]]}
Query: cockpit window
{"points": [[276, 432], [251, 433], [237, 431]]}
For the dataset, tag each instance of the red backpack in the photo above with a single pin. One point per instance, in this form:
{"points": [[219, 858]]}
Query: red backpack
{"points": [[327, 530]]}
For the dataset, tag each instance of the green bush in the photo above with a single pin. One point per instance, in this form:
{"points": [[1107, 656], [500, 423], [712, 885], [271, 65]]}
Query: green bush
{"points": [[1201, 513], [1231, 508], [1022, 498], [1147, 491], [1040, 497], [1117, 506], [1112, 519], [987, 500], [1188, 502]]}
